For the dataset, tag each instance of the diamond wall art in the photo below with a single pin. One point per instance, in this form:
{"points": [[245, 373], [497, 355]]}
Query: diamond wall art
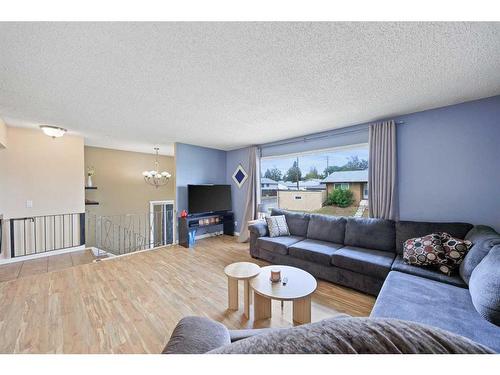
{"points": [[240, 176]]}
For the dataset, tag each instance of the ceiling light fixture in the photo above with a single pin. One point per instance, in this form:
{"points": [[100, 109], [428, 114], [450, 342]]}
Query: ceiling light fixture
{"points": [[53, 131], [155, 177]]}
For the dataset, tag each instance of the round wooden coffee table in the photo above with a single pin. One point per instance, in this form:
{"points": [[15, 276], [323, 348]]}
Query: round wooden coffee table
{"points": [[240, 271], [299, 287]]}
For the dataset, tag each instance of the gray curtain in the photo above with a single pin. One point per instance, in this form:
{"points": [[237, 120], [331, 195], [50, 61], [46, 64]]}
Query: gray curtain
{"points": [[382, 192], [253, 193]]}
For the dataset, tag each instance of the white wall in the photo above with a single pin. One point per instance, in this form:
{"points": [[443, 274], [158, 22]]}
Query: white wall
{"points": [[49, 172]]}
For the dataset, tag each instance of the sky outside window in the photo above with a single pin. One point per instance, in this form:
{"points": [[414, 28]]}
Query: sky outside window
{"points": [[319, 160]]}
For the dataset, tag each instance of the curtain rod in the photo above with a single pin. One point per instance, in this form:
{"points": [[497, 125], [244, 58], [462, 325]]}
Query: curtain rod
{"points": [[320, 136]]}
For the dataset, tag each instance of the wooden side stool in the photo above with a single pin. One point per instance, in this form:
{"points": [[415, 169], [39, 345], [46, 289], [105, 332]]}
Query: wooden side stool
{"points": [[240, 271]]}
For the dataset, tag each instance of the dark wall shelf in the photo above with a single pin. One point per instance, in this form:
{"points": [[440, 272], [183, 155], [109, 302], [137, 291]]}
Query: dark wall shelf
{"points": [[89, 202]]}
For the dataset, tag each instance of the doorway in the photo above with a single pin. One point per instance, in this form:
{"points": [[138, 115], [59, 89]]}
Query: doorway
{"points": [[162, 222]]}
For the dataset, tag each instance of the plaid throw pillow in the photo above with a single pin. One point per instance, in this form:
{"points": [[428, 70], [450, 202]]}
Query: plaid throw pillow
{"points": [[423, 251], [277, 226]]}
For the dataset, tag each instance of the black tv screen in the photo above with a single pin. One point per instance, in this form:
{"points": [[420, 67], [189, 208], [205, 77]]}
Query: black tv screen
{"points": [[209, 198]]}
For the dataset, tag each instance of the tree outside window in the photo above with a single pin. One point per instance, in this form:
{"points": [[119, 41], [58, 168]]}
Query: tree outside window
{"points": [[305, 182]]}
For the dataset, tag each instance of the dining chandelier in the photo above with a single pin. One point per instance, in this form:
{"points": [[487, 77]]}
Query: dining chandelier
{"points": [[155, 177]]}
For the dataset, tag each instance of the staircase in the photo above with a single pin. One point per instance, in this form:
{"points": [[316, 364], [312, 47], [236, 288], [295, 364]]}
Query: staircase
{"points": [[124, 234]]}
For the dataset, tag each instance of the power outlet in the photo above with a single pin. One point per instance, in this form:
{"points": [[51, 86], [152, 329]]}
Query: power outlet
{"points": [[29, 204], [235, 223]]}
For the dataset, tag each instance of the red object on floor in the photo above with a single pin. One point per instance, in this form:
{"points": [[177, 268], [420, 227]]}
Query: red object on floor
{"points": [[184, 213]]}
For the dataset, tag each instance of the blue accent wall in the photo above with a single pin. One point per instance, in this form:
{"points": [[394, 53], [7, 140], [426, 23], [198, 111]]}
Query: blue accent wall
{"points": [[234, 158], [201, 165], [449, 163], [197, 165]]}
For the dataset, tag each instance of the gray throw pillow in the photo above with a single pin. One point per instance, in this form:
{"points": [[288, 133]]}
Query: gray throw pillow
{"points": [[277, 226], [484, 286]]}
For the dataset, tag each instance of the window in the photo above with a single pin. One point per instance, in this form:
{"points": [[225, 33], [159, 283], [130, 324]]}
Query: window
{"points": [[342, 186], [305, 182]]}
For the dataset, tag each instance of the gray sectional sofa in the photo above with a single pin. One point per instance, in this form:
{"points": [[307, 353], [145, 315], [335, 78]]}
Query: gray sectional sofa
{"points": [[366, 254]]}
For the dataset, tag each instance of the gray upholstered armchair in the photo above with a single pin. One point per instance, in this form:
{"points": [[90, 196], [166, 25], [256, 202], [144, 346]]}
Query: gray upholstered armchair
{"points": [[196, 335]]}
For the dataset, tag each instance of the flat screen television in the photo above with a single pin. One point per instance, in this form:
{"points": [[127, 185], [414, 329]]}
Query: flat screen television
{"points": [[209, 198]]}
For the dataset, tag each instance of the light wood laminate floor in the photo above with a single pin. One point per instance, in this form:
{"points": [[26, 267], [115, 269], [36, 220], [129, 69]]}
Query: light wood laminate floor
{"points": [[131, 304], [15, 270]]}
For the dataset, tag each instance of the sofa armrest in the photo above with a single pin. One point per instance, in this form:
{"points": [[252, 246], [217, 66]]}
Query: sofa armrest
{"points": [[258, 227], [482, 233], [197, 335]]}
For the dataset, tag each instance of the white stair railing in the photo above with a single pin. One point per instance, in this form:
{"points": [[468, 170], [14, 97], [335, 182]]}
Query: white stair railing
{"points": [[123, 234]]}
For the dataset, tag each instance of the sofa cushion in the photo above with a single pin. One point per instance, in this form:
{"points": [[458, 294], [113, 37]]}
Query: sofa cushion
{"points": [[196, 335], [278, 244], [377, 234], [297, 221], [369, 262], [483, 238], [356, 335], [430, 302], [277, 226], [351, 279], [326, 228], [484, 286], [314, 251], [411, 229], [427, 272]]}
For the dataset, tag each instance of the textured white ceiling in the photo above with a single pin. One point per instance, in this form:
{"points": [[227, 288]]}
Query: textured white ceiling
{"points": [[227, 85]]}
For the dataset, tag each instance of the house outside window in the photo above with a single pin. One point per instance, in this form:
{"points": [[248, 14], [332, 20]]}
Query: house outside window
{"points": [[305, 181]]}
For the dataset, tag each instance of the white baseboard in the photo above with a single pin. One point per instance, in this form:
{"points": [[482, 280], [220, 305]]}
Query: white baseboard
{"points": [[41, 255]]}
